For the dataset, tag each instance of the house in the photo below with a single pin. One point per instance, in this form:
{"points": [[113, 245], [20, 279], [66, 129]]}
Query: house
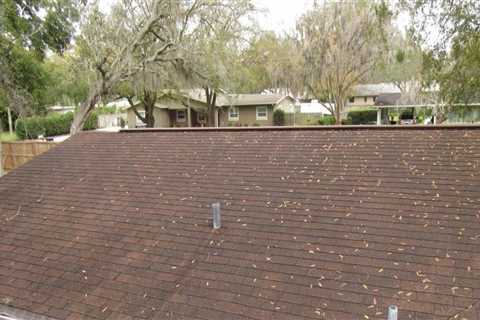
{"points": [[253, 109], [171, 111], [190, 109], [365, 95], [316, 223]]}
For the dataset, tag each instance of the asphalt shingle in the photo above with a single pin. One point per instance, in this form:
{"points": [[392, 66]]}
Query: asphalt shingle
{"points": [[316, 224]]}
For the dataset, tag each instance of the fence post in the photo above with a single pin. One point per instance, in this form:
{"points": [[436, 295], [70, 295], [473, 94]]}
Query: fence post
{"points": [[10, 124]]}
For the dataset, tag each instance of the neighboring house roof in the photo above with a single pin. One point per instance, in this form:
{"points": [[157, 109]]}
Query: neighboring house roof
{"points": [[317, 223], [239, 100], [252, 99], [119, 103], [367, 90], [171, 105], [388, 99], [224, 100]]}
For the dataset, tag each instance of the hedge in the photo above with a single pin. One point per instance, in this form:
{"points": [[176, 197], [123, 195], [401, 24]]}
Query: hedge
{"points": [[327, 121], [362, 116], [51, 125]]}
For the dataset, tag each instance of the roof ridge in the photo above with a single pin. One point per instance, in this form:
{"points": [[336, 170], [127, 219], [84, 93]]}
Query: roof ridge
{"points": [[315, 128]]}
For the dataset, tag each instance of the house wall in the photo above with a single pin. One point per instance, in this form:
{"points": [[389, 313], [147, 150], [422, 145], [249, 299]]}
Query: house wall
{"points": [[362, 101], [287, 105], [162, 119], [247, 117], [131, 118]]}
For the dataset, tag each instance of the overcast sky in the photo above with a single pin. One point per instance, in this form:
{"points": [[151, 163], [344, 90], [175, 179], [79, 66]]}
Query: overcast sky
{"points": [[278, 15], [281, 15]]}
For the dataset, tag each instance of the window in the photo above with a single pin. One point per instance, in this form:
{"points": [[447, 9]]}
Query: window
{"points": [[352, 99], [262, 113], [181, 116], [233, 114], [365, 99]]}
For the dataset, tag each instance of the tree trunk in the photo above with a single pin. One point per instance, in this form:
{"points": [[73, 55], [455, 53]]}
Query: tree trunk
{"points": [[83, 112], [339, 105], [149, 100], [211, 96], [86, 107]]}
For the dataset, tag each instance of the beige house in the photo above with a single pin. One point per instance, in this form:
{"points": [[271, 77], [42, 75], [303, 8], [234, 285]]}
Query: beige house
{"points": [[253, 109], [171, 113], [365, 95], [190, 110]]}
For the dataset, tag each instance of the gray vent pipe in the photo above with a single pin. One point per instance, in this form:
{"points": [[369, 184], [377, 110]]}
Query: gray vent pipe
{"points": [[393, 312], [217, 222]]}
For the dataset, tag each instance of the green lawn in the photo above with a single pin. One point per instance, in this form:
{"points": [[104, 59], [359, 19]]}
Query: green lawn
{"points": [[5, 136]]}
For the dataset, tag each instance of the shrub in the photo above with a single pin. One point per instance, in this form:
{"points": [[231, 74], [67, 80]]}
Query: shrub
{"points": [[327, 121], [362, 116], [107, 110], [91, 123], [279, 117], [51, 125]]}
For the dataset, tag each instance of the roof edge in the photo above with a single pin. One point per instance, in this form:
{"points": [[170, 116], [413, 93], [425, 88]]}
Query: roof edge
{"points": [[20, 314], [316, 128]]}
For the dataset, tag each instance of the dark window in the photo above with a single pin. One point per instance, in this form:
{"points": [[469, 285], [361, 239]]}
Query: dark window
{"points": [[352, 99]]}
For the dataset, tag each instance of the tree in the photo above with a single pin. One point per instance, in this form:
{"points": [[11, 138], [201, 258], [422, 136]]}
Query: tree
{"points": [[67, 83], [143, 39], [402, 66], [216, 52], [27, 30], [272, 63], [341, 42], [452, 60]]}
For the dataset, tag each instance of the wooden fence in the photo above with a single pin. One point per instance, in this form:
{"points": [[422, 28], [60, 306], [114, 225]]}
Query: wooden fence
{"points": [[14, 154]]}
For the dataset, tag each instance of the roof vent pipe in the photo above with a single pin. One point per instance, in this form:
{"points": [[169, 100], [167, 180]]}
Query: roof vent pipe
{"points": [[392, 312], [217, 223]]}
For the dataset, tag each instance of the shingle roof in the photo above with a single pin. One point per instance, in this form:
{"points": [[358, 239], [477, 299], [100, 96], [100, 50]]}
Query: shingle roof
{"points": [[317, 224], [234, 99], [374, 89], [388, 99], [251, 99]]}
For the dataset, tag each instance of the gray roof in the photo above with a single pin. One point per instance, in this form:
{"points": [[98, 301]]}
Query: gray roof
{"points": [[226, 100], [251, 99], [388, 99], [364, 90]]}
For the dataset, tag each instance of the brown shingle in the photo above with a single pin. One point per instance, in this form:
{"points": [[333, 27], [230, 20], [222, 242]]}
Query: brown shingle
{"points": [[316, 224]]}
